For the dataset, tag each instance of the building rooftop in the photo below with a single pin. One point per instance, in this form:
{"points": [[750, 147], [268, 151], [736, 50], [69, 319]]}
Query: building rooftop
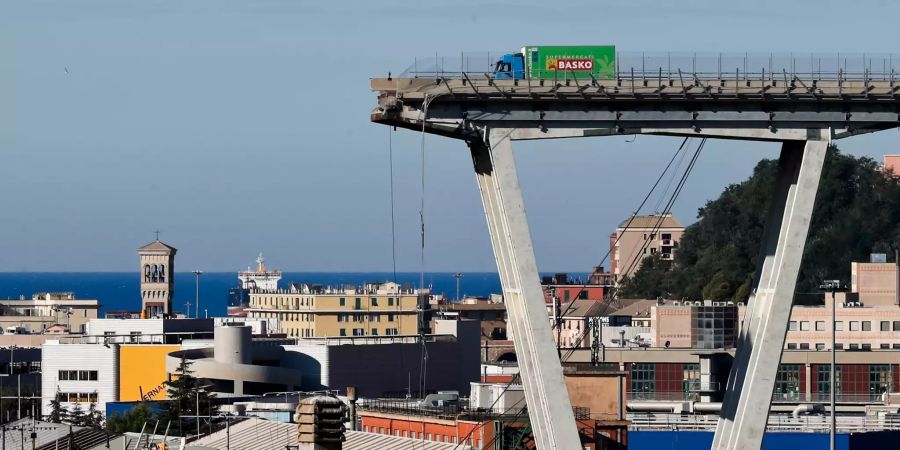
{"points": [[634, 308], [158, 245], [255, 433], [584, 308], [651, 221]]}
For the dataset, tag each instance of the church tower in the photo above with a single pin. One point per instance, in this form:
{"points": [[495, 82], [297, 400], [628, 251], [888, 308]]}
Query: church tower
{"points": [[157, 278]]}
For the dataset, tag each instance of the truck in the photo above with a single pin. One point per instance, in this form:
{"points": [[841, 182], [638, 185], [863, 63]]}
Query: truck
{"points": [[555, 62]]}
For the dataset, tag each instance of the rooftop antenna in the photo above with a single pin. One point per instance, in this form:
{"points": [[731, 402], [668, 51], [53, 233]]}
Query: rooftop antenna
{"points": [[157, 234]]}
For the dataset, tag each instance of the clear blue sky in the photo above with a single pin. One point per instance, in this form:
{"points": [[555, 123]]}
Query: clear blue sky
{"points": [[242, 126]]}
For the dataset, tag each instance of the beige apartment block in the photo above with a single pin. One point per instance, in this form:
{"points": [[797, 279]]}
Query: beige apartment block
{"points": [[46, 309], [314, 311], [640, 237], [856, 327], [875, 284]]}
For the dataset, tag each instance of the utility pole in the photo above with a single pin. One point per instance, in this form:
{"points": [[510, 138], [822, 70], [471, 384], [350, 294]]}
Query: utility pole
{"points": [[833, 286], [457, 275], [197, 274]]}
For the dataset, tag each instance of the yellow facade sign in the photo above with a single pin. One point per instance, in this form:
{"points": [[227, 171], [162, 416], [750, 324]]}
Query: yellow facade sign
{"points": [[142, 371]]}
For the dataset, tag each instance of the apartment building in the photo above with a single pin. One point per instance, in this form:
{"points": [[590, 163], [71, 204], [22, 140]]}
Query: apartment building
{"points": [[642, 236], [46, 309], [306, 310]]}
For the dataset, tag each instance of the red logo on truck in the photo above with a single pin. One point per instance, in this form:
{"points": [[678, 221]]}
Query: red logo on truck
{"points": [[572, 64]]}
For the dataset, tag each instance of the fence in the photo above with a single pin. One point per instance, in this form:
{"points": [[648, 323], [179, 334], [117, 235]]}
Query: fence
{"points": [[689, 66], [779, 422]]}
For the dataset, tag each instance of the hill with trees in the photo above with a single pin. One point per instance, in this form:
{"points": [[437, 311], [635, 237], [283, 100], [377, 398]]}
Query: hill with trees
{"points": [[857, 212]]}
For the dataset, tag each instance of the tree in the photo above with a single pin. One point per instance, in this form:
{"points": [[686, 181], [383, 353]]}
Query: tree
{"points": [[132, 421], [185, 392], [77, 416], [93, 418], [855, 214], [58, 414]]}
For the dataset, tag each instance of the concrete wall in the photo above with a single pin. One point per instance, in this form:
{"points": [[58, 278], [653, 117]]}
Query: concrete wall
{"points": [[597, 391]]}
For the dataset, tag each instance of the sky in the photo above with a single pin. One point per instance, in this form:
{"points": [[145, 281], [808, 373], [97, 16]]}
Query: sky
{"points": [[238, 127]]}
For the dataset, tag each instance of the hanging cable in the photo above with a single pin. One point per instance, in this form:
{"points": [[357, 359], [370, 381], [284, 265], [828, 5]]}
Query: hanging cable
{"points": [[393, 215], [669, 205], [631, 219]]}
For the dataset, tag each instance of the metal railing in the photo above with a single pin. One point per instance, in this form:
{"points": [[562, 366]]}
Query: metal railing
{"points": [[461, 410], [687, 67], [776, 422]]}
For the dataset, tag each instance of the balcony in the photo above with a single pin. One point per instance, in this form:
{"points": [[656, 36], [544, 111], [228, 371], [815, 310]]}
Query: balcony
{"points": [[666, 256], [668, 243]]}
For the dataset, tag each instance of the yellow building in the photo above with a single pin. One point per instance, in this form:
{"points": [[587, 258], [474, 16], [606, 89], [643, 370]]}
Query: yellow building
{"points": [[315, 311]]}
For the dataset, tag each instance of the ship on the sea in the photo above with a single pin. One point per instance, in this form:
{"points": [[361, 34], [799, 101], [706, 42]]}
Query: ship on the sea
{"points": [[262, 278]]}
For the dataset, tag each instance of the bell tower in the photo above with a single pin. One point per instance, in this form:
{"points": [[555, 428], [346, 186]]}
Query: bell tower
{"points": [[157, 278]]}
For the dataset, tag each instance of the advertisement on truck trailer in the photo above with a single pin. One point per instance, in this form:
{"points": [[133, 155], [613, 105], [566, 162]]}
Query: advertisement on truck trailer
{"points": [[571, 61]]}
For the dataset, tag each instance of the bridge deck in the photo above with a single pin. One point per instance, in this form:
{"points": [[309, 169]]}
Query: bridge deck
{"points": [[456, 107]]}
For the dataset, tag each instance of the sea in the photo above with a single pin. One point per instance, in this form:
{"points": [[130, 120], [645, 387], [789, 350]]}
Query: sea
{"points": [[120, 291]]}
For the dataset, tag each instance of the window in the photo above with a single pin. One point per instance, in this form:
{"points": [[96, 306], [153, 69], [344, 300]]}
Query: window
{"points": [[897, 325], [135, 336], [823, 381], [820, 325], [867, 346], [885, 325], [854, 346], [820, 346], [374, 331], [854, 325], [804, 326], [643, 380], [885, 346], [341, 317], [390, 317], [804, 346], [690, 379], [879, 379], [838, 346], [359, 332], [792, 325], [343, 332], [895, 346], [839, 326], [358, 303], [666, 236], [867, 325], [391, 331], [390, 301], [792, 346], [374, 301], [342, 301], [787, 382], [63, 375]]}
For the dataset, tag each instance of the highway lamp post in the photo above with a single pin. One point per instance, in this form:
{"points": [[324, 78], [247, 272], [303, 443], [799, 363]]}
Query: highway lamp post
{"points": [[197, 274], [833, 286], [457, 275]]}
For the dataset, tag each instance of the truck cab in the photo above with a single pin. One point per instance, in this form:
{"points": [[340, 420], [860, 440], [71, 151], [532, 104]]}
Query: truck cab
{"points": [[510, 67]]}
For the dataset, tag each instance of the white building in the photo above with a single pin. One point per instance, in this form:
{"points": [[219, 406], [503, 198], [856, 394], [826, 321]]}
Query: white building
{"points": [[78, 373]]}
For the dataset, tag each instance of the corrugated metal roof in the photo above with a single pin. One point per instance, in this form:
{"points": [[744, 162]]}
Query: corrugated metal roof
{"points": [[259, 434]]}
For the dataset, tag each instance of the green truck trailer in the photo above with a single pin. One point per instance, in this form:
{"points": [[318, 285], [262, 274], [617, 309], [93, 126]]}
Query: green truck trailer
{"points": [[554, 62]]}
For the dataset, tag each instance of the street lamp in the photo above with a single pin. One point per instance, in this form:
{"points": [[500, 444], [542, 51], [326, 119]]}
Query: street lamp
{"points": [[833, 286], [457, 275], [197, 274]]}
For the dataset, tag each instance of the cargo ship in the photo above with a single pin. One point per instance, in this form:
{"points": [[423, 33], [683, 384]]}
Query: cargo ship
{"points": [[262, 278]]}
